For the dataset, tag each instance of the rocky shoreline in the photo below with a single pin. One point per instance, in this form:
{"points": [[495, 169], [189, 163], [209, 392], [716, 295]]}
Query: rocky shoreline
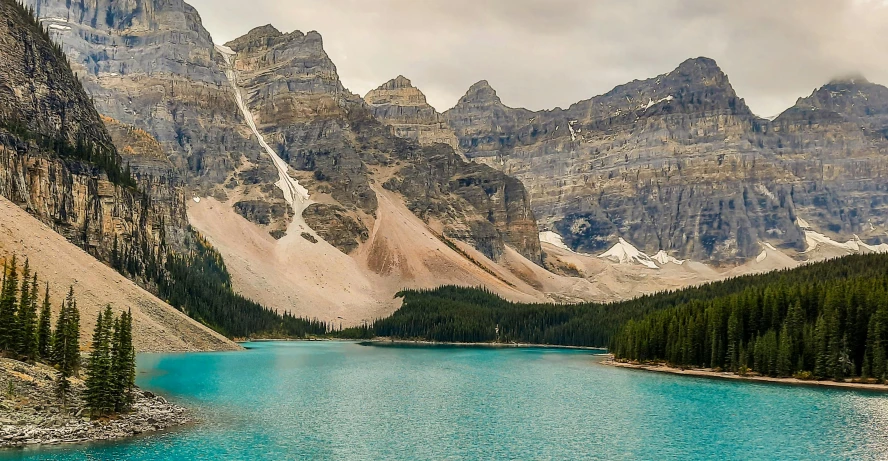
{"points": [[32, 414], [710, 373]]}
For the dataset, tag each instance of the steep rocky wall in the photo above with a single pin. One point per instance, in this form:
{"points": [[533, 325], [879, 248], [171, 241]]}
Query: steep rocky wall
{"points": [[402, 106], [46, 123], [679, 163], [151, 64], [314, 123]]}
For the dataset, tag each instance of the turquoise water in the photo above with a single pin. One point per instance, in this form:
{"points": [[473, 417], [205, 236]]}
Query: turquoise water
{"points": [[344, 401]]}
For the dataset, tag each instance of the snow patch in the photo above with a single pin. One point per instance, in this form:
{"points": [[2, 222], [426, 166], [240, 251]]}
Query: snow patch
{"points": [[554, 239], [652, 103], [196, 199], [881, 248], [570, 126], [295, 194], [762, 256], [769, 246], [663, 259], [815, 239], [58, 27], [761, 189], [855, 245], [802, 223], [625, 253]]}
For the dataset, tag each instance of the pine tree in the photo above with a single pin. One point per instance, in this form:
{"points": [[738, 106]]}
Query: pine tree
{"points": [[27, 320], [44, 328], [734, 338], [17, 335], [99, 394], [127, 368], [66, 345], [784, 354], [821, 347], [8, 302]]}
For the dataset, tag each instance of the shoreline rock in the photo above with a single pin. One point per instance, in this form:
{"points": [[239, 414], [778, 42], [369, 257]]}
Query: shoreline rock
{"points": [[32, 414]]}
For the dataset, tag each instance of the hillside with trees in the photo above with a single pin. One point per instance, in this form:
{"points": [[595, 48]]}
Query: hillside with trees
{"points": [[27, 335], [826, 320]]}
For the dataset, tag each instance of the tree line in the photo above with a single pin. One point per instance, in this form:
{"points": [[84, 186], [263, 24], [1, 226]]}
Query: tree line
{"points": [[198, 284], [824, 321], [27, 335], [459, 314]]}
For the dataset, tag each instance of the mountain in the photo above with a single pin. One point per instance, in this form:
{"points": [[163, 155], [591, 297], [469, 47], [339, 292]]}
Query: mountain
{"points": [[678, 163], [301, 109], [263, 136], [59, 165], [151, 64], [483, 124], [326, 204], [402, 106]]}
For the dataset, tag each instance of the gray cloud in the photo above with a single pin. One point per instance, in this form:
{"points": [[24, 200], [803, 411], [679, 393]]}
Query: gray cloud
{"points": [[545, 53]]}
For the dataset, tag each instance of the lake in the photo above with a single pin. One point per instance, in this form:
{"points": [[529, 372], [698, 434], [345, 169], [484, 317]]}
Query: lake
{"points": [[346, 401]]}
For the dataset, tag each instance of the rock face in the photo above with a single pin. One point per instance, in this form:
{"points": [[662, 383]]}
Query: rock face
{"points": [[45, 112], [399, 104], [308, 117], [484, 125], [679, 163], [59, 163], [139, 150], [150, 64]]}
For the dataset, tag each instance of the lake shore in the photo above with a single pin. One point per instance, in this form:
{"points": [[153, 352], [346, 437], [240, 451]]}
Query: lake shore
{"points": [[31, 413], [406, 342], [709, 373]]}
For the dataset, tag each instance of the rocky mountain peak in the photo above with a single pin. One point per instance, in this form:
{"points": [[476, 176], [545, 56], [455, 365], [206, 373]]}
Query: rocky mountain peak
{"points": [[266, 31], [268, 36], [848, 80], [398, 83], [849, 98], [701, 71], [404, 107], [702, 64], [481, 92], [398, 92]]}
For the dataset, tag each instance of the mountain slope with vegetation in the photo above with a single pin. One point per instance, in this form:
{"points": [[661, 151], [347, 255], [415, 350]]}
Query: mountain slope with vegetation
{"points": [[59, 163], [828, 321], [823, 320]]}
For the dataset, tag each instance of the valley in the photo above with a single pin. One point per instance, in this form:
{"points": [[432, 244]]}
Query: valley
{"points": [[195, 196], [305, 159]]}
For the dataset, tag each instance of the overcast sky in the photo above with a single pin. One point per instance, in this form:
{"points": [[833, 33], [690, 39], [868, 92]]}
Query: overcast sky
{"points": [[541, 54]]}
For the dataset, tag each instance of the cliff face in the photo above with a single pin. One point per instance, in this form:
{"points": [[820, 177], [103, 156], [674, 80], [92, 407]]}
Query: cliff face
{"points": [[302, 110], [402, 106], [150, 64], [47, 124], [679, 163], [60, 164]]}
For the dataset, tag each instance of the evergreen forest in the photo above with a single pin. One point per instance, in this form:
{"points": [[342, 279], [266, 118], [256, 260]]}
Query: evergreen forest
{"points": [[827, 320], [27, 335]]}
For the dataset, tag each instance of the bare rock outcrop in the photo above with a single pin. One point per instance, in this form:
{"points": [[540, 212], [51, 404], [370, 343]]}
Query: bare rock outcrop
{"points": [[679, 163], [402, 106], [313, 122]]}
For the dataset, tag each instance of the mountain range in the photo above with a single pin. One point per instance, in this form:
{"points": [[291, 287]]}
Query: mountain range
{"points": [[325, 203]]}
